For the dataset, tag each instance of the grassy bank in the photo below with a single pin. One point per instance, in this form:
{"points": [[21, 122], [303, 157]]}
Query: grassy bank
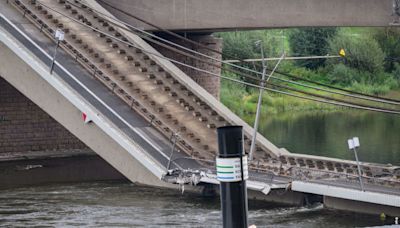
{"points": [[243, 101]]}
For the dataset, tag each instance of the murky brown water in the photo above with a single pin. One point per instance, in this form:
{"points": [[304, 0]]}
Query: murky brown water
{"points": [[125, 205]]}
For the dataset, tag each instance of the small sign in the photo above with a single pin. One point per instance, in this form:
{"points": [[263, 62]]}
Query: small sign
{"points": [[229, 169], [353, 143], [59, 35]]}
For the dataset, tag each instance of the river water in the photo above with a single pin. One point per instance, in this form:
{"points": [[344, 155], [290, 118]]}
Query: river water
{"points": [[125, 205], [326, 134], [116, 204]]}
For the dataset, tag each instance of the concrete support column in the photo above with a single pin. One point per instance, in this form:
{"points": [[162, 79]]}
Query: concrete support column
{"points": [[26, 128], [207, 81]]}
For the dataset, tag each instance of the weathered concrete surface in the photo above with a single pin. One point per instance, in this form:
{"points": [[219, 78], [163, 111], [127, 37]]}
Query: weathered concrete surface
{"points": [[360, 207], [280, 196], [208, 82], [211, 15], [29, 83], [199, 91], [24, 127]]}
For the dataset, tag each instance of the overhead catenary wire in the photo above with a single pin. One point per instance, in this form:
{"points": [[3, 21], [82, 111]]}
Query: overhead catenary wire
{"points": [[375, 98], [147, 34], [204, 71], [328, 101]]}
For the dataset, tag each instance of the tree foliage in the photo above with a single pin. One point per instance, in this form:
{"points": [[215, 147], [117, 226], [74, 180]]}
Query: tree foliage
{"points": [[363, 54], [311, 42], [389, 41]]}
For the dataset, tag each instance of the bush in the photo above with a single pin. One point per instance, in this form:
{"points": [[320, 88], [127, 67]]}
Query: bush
{"points": [[361, 54], [396, 71], [307, 74], [343, 75], [370, 89], [309, 42], [241, 45], [389, 41]]}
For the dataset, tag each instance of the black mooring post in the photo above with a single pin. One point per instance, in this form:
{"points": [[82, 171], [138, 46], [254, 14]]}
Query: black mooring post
{"points": [[232, 173]]}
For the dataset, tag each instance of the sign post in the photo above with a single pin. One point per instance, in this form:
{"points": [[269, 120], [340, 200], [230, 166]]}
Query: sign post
{"points": [[353, 144], [59, 37], [232, 172]]}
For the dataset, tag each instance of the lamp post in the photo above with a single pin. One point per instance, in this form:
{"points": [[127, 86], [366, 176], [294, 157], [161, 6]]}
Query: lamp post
{"points": [[353, 144], [59, 35]]}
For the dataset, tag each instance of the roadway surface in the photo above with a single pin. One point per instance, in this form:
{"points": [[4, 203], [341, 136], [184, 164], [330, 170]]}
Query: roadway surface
{"points": [[153, 142]]}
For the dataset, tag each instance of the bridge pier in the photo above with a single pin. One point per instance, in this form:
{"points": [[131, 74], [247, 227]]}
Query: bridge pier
{"points": [[208, 82], [29, 83], [25, 128], [36, 149]]}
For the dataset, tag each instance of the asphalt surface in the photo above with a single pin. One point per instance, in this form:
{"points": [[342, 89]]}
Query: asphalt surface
{"points": [[164, 147]]}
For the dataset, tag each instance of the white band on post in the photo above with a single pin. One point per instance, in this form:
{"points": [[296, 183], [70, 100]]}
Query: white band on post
{"points": [[228, 169]]}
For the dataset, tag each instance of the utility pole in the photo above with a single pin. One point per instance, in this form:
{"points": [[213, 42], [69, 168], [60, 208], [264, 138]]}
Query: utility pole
{"points": [[59, 35], [262, 85], [396, 12], [174, 138]]}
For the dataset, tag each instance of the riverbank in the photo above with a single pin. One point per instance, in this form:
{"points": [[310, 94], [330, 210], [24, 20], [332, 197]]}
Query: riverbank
{"points": [[243, 101], [368, 65]]}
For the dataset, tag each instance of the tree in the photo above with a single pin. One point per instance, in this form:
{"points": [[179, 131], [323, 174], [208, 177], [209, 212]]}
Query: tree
{"points": [[389, 41], [363, 54], [311, 42]]}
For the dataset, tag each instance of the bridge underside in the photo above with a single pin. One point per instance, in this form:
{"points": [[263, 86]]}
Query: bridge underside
{"points": [[210, 15]]}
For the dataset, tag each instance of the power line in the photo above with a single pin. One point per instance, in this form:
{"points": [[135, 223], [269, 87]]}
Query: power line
{"points": [[286, 58], [374, 99], [380, 99], [328, 101]]}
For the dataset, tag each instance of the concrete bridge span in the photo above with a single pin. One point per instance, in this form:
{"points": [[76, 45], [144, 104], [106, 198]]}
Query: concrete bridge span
{"points": [[211, 15]]}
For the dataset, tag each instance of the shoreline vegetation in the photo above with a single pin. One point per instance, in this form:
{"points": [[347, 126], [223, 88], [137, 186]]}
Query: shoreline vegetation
{"points": [[371, 65]]}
